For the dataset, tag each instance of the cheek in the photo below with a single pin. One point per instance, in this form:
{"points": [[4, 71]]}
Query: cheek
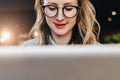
{"points": [[73, 21], [49, 21]]}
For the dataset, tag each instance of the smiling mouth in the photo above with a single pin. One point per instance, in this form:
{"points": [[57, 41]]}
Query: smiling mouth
{"points": [[60, 26]]}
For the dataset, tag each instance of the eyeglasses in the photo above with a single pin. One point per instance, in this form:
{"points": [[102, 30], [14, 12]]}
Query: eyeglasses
{"points": [[69, 11]]}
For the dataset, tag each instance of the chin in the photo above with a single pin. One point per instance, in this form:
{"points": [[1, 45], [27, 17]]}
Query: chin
{"points": [[61, 33]]}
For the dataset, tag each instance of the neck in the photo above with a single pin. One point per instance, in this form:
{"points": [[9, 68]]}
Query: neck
{"points": [[62, 40]]}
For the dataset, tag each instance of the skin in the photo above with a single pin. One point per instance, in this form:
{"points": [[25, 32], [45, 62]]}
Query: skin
{"points": [[62, 33]]}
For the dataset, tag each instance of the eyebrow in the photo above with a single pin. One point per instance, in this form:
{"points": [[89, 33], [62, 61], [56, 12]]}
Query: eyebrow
{"points": [[57, 4], [52, 3], [69, 4]]}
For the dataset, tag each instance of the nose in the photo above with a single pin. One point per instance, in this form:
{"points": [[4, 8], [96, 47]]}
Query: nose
{"points": [[60, 16]]}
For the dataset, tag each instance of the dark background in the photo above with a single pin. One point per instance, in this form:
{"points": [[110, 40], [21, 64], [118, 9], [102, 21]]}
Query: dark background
{"points": [[19, 16]]}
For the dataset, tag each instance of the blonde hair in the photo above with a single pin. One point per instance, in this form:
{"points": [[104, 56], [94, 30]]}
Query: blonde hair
{"points": [[87, 25]]}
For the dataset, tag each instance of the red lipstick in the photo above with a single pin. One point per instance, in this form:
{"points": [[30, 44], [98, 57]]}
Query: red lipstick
{"points": [[60, 26]]}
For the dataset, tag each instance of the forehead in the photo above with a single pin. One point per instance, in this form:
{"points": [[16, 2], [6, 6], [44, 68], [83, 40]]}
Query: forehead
{"points": [[60, 1]]}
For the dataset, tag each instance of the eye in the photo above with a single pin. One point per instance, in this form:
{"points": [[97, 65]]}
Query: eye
{"points": [[68, 8], [52, 8]]}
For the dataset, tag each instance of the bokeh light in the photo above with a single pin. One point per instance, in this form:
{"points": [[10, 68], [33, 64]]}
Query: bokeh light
{"points": [[6, 35], [35, 33], [109, 19], [114, 13]]}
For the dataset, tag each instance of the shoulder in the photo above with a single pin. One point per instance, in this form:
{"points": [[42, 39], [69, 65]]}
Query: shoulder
{"points": [[96, 43], [32, 42]]}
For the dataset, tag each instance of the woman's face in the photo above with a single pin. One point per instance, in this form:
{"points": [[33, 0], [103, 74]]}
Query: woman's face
{"points": [[59, 24]]}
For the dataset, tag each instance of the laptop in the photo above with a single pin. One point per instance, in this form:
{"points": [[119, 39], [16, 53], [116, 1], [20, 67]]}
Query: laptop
{"points": [[78, 62]]}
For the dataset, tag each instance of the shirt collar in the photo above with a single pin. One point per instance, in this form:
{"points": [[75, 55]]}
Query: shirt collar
{"points": [[52, 42]]}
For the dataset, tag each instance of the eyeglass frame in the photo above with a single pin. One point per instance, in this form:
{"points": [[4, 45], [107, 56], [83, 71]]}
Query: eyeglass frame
{"points": [[77, 8]]}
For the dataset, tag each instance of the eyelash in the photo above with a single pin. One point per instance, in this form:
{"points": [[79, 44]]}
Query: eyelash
{"points": [[52, 8], [68, 9]]}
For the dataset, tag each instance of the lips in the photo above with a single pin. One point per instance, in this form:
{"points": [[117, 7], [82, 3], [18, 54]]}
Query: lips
{"points": [[60, 26]]}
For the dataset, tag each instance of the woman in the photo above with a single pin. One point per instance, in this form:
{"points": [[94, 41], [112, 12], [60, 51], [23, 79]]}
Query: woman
{"points": [[63, 22]]}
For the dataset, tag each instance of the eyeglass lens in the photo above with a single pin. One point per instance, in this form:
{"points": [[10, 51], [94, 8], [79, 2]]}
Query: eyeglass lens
{"points": [[68, 11]]}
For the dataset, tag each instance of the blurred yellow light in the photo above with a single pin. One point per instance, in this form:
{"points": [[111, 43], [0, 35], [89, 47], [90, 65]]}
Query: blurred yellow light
{"points": [[109, 19], [35, 34], [114, 13], [5, 35], [2, 40]]}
